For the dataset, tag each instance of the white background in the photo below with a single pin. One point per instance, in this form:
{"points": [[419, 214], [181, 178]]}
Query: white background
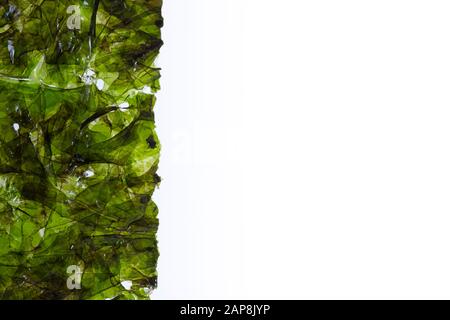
{"points": [[306, 149]]}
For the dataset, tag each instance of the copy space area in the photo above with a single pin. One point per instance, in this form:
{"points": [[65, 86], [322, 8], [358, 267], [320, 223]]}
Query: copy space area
{"points": [[306, 149]]}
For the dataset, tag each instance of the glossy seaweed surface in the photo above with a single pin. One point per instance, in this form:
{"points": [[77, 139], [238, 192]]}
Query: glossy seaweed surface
{"points": [[78, 150]]}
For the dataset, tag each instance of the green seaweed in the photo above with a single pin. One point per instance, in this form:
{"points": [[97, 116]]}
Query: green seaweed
{"points": [[78, 148]]}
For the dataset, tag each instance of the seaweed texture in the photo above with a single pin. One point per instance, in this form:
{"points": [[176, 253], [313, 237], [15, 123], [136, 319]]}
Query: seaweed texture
{"points": [[78, 148]]}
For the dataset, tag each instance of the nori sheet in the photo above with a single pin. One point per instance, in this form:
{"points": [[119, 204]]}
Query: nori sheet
{"points": [[78, 148]]}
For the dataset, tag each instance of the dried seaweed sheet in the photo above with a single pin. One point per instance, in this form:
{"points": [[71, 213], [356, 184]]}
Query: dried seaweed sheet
{"points": [[78, 149]]}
